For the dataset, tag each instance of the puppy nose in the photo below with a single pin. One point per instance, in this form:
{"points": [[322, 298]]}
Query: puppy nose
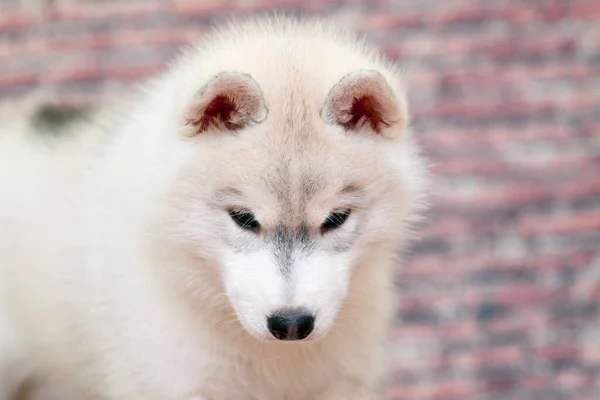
{"points": [[291, 325]]}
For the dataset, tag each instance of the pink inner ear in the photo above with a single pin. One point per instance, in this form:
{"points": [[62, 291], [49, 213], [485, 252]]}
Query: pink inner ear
{"points": [[218, 111], [363, 101], [365, 109], [228, 102]]}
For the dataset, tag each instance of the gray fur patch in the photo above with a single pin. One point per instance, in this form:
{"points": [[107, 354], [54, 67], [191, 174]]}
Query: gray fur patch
{"points": [[53, 119], [287, 243]]}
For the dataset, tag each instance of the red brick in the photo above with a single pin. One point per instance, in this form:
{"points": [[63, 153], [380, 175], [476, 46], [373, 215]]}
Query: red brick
{"points": [[454, 389], [516, 74], [461, 167], [70, 75], [500, 195], [386, 21], [595, 292], [502, 356], [581, 221], [534, 381], [587, 10], [524, 295], [17, 79], [525, 320], [428, 266], [571, 380], [15, 19], [412, 331], [590, 352], [95, 42], [465, 14], [444, 389], [449, 226], [555, 351], [81, 11], [199, 7], [129, 73], [457, 330]]}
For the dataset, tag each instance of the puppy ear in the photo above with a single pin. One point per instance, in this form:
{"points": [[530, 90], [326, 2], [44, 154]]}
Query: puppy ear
{"points": [[363, 101], [228, 102]]}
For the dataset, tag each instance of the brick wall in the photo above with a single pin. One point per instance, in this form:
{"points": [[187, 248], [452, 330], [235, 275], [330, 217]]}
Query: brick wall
{"points": [[501, 297]]}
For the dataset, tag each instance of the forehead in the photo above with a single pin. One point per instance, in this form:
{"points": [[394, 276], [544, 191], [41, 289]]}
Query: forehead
{"points": [[294, 157]]}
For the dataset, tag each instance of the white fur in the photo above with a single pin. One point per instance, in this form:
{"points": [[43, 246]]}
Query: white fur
{"points": [[116, 278]]}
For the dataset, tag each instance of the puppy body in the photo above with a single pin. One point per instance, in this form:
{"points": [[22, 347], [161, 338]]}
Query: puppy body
{"points": [[124, 277]]}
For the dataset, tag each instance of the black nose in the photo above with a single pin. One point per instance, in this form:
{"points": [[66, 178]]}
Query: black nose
{"points": [[291, 325]]}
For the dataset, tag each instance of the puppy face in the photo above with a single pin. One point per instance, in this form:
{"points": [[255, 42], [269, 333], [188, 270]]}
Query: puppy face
{"points": [[288, 204]]}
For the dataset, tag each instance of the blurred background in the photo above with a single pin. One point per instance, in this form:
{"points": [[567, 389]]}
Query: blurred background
{"points": [[500, 298]]}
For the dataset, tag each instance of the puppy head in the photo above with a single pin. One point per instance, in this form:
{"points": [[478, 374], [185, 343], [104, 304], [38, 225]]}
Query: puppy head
{"points": [[289, 192]]}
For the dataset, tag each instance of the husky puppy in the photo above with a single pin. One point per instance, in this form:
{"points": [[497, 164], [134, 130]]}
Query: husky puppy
{"points": [[229, 234]]}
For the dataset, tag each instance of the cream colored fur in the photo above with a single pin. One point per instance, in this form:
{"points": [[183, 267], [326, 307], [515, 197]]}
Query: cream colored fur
{"points": [[115, 282]]}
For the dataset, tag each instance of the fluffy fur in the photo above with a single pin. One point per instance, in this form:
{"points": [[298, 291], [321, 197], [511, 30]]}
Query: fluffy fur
{"points": [[123, 275]]}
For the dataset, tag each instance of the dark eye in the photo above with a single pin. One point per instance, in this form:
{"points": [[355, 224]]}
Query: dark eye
{"points": [[245, 220], [334, 220]]}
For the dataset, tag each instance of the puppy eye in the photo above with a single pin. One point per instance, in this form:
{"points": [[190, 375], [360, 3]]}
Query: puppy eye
{"points": [[334, 220], [245, 220]]}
